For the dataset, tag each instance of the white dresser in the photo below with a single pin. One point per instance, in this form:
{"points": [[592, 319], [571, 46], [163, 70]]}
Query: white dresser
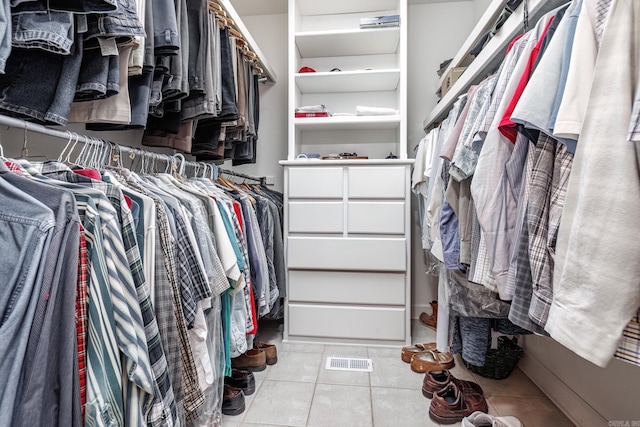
{"points": [[347, 222]]}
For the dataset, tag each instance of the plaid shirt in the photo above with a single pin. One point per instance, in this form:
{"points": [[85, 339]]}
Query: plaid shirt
{"points": [[519, 280], [629, 349], [193, 396], [548, 187], [81, 315], [163, 404]]}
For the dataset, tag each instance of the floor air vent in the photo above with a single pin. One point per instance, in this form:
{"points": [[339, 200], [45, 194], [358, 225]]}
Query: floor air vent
{"points": [[349, 364]]}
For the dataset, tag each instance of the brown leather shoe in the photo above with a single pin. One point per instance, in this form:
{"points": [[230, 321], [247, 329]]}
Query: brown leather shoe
{"points": [[431, 361], [410, 350], [434, 381], [430, 320], [450, 405], [270, 351], [253, 360]]}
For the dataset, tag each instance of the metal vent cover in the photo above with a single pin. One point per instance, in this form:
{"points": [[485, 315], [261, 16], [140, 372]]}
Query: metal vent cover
{"points": [[349, 364]]}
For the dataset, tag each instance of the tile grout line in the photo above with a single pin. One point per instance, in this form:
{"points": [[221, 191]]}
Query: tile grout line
{"points": [[315, 386]]}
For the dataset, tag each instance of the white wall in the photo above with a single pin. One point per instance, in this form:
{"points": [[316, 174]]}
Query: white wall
{"points": [[436, 32]]}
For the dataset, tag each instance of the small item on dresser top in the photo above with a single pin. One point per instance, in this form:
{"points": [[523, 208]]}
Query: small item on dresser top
{"points": [[344, 156], [335, 69], [391, 156], [375, 111], [380, 21], [306, 70], [308, 156]]}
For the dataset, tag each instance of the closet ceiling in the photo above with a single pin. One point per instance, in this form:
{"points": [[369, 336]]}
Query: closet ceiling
{"points": [[272, 7]]}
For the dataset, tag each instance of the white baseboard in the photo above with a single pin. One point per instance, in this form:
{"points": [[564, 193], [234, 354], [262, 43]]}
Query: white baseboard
{"points": [[574, 407]]}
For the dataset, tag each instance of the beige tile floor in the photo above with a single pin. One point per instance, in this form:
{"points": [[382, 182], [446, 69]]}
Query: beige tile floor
{"points": [[299, 391]]}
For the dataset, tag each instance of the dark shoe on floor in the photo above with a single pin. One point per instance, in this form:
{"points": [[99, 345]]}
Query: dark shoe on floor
{"points": [[242, 379], [232, 401], [450, 405], [270, 351], [253, 360], [434, 381]]}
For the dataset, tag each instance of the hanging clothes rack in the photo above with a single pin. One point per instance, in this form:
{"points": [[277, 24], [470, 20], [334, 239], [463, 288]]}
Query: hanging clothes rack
{"points": [[262, 179], [84, 139]]}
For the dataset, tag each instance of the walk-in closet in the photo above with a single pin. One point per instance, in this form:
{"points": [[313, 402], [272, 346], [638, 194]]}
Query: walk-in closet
{"points": [[322, 213]]}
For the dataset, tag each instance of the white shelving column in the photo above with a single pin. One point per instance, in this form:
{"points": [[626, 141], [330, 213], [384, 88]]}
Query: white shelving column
{"points": [[347, 222]]}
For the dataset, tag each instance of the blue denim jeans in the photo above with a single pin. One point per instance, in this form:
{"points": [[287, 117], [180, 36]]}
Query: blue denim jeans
{"points": [[27, 92], [25, 232], [76, 6]]}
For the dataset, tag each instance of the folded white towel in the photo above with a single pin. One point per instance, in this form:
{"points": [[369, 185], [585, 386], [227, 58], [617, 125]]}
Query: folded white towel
{"points": [[375, 111]]}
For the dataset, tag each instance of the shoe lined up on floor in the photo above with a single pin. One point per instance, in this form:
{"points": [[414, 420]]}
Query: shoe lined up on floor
{"points": [[480, 419], [242, 382], [408, 351], [253, 360], [232, 400], [270, 351], [450, 405], [430, 320], [431, 360], [435, 381]]}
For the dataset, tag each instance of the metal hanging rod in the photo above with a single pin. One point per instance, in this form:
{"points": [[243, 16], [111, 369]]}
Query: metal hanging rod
{"points": [[84, 139], [262, 179]]}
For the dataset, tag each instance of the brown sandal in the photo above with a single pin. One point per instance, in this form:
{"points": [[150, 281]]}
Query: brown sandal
{"points": [[410, 350], [431, 361]]}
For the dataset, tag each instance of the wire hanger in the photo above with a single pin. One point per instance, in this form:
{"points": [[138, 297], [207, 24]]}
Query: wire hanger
{"points": [[24, 152]]}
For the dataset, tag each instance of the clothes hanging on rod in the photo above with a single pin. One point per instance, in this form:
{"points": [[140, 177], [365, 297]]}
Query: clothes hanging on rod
{"points": [[511, 183], [161, 67], [172, 273]]}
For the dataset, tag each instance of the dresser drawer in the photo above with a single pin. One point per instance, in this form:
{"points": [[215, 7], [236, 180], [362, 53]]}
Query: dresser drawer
{"points": [[316, 182], [347, 287], [376, 217], [347, 322], [316, 217], [339, 253], [378, 182]]}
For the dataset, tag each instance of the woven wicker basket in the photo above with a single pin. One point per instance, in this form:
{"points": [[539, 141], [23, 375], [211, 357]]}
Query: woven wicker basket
{"points": [[501, 361]]}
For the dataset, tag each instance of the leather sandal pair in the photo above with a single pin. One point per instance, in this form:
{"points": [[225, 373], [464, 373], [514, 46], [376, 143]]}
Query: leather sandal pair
{"points": [[410, 350], [431, 360]]}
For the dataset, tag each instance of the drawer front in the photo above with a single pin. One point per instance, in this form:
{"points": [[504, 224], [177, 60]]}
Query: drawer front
{"points": [[377, 182], [347, 322], [376, 217], [339, 253], [316, 182], [316, 217], [347, 287]]}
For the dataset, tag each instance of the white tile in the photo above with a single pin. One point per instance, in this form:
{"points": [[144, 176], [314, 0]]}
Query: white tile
{"points": [[397, 407], [531, 411], [340, 405], [394, 373], [302, 367], [332, 376], [392, 352], [421, 333], [228, 423], [302, 347], [516, 385], [255, 425], [281, 403], [346, 351]]}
